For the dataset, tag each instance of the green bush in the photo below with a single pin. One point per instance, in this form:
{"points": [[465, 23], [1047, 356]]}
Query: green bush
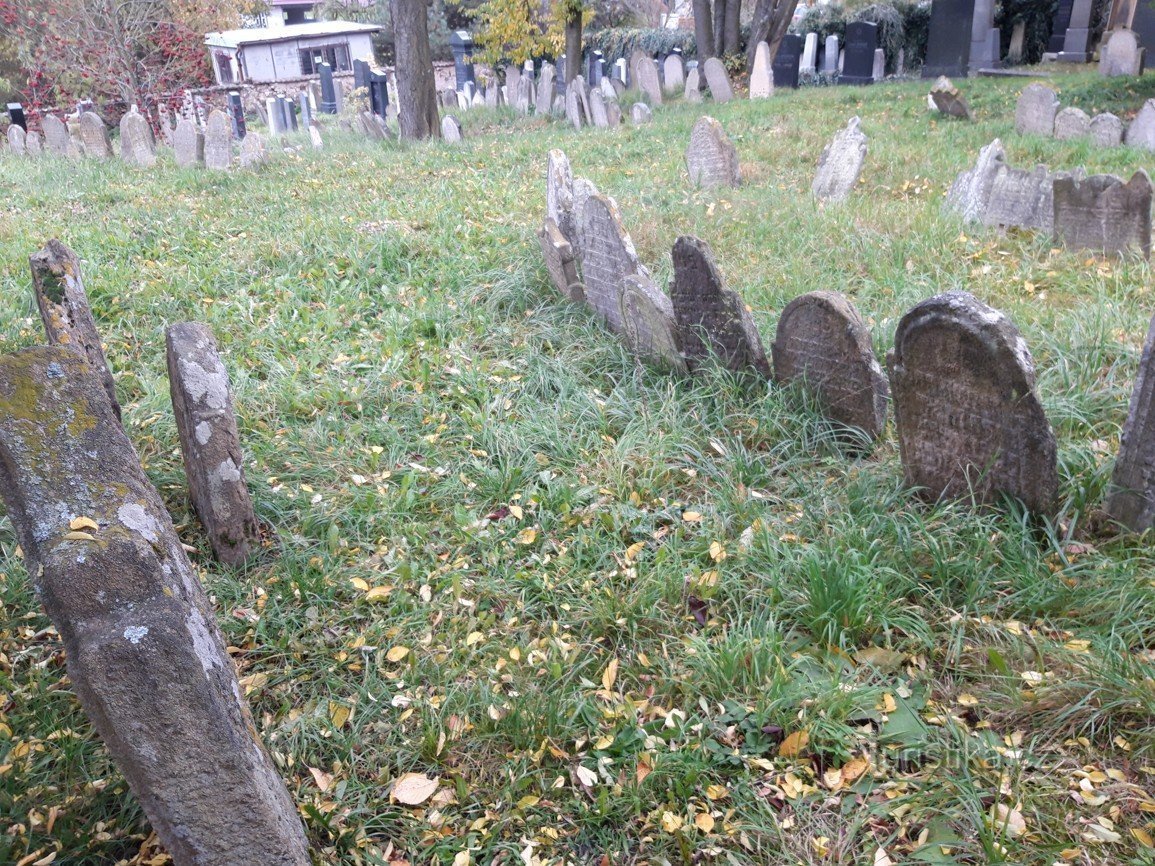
{"points": [[1036, 16], [618, 42]]}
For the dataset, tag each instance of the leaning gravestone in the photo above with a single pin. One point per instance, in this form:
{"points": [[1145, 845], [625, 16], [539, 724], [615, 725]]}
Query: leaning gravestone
{"points": [[693, 92], [968, 419], [315, 137], [1035, 111], [711, 319], [254, 152], [711, 159], [56, 138], [144, 654], [94, 136], [717, 80], [1106, 130], [560, 261], [65, 311], [673, 73], [1072, 123], [607, 257], [451, 129], [1021, 199], [582, 88], [525, 93], [137, 146], [188, 144], [949, 100], [214, 465], [598, 113], [17, 139], [823, 344], [1120, 54], [648, 80], [1103, 214], [218, 141], [971, 191], [648, 322], [1131, 500], [559, 200], [761, 81], [1141, 131], [574, 112], [840, 164], [32, 144], [640, 113], [636, 58]]}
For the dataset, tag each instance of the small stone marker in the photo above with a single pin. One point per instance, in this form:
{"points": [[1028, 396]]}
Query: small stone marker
{"points": [[1106, 130], [673, 73], [137, 146], [32, 144], [1120, 54], [16, 140], [202, 404], [254, 152], [56, 138], [761, 79], [640, 113], [1072, 123], [648, 322], [718, 80], [525, 93], [711, 159], [607, 258], [65, 311], [963, 384], [1131, 499], [971, 191], [188, 144], [949, 100], [559, 195], [648, 80], [1141, 131], [144, 654], [451, 129], [218, 141], [712, 319], [830, 55], [1103, 214], [1021, 199], [560, 261], [693, 92], [1035, 111], [369, 125], [840, 164], [94, 136], [823, 344], [315, 137]]}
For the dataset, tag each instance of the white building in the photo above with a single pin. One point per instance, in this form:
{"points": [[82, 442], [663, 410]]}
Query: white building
{"points": [[287, 51]]}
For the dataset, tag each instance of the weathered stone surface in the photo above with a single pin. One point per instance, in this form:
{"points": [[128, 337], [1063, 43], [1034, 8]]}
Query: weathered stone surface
{"points": [[648, 322], [640, 113], [761, 79], [451, 129], [214, 465], [560, 261], [673, 73], [693, 92], [840, 164], [971, 191], [16, 139], [56, 138], [583, 191], [711, 319], [823, 343], [166, 123], [65, 311], [1141, 130], [613, 113], [968, 419], [648, 81], [949, 100], [574, 111], [368, 124], [512, 83], [254, 151], [94, 136], [1120, 54], [607, 257], [711, 158], [1071, 123], [315, 137], [545, 86], [143, 651], [1106, 130], [1103, 214], [32, 144], [188, 144], [218, 141], [1131, 499], [598, 113], [559, 201], [137, 145], [636, 57], [1021, 199], [1035, 111], [718, 80], [525, 94]]}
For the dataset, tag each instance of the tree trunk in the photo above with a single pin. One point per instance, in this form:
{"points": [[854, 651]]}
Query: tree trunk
{"points": [[416, 88], [771, 20], [731, 41], [573, 46], [719, 25], [703, 29]]}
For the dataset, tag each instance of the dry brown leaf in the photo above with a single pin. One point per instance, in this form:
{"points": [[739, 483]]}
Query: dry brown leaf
{"points": [[794, 744], [413, 789]]}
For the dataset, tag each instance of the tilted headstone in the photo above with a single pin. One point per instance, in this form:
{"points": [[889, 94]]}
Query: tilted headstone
{"points": [[648, 81], [640, 113], [451, 129], [56, 138], [166, 123], [1103, 214], [718, 80], [559, 195], [1120, 54], [94, 135], [861, 42], [785, 62], [693, 93], [1021, 199], [968, 419], [137, 146], [144, 654], [598, 113], [648, 322], [254, 152], [947, 99], [1035, 111], [970, 193], [1131, 498], [761, 81], [1072, 123], [1141, 130], [315, 137], [1106, 130], [65, 311], [370, 126], [32, 144], [574, 112], [711, 319], [583, 94], [545, 86], [17, 139], [512, 82], [823, 344], [188, 144], [830, 53], [613, 112], [607, 257], [218, 141], [560, 261], [840, 164], [673, 74], [711, 158], [809, 62]]}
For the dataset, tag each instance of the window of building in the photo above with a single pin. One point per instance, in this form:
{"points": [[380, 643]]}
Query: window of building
{"points": [[337, 56]]}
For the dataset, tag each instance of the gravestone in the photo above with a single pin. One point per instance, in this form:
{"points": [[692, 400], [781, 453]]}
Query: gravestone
{"points": [[1021, 199], [17, 139], [512, 83], [1131, 498], [560, 261], [861, 42], [56, 138], [711, 319], [1120, 54], [970, 193], [648, 80], [878, 70], [636, 57], [166, 123], [1035, 111], [693, 93], [75, 140], [711, 158], [607, 257], [545, 87], [369, 126], [948, 47], [1106, 130], [947, 99], [525, 93], [1077, 39], [143, 651], [718, 80], [648, 322], [275, 121], [254, 151], [583, 94], [188, 144], [968, 419], [809, 63], [451, 129], [559, 196], [136, 142], [640, 113], [1059, 25], [598, 113], [218, 141], [1141, 131], [673, 74], [236, 113], [315, 137], [65, 311], [785, 65], [840, 164], [573, 108], [32, 144], [985, 38], [1103, 214], [94, 136], [328, 90], [1072, 123], [761, 81], [613, 112], [823, 344], [1018, 37], [583, 191], [830, 53], [202, 404]]}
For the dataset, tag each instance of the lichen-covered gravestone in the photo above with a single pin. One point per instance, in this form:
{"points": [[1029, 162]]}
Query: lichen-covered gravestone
{"points": [[947, 99], [648, 81], [94, 136], [971, 191], [607, 257], [1106, 130], [968, 419], [718, 80], [137, 146], [840, 164], [1021, 199], [56, 138], [254, 152], [559, 203], [648, 322], [640, 113], [823, 344], [16, 139], [188, 144], [761, 79], [32, 144], [583, 191], [218, 141], [65, 311], [202, 404], [1131, 499], [451, 129], [1035, 111], [560, 261], [1120, 54], [543, 96], [712, 320], [1072, 123], [1103, 214], [711, 158], [143, 651], [1141, 130]]}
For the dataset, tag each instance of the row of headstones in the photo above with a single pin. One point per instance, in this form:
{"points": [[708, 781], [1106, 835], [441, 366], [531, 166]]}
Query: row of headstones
{"points": [[1100, 213], [860, 62], [961, 376], [1038, 112]]}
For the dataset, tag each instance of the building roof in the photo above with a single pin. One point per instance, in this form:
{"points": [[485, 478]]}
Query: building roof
{"points": [[261, 35]]}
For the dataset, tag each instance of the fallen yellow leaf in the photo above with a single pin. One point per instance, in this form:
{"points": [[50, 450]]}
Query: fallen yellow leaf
{"points": [[413, 789], [793, 744], [704, 822], [610, 674], [527, 536], [83, 523], [397, 653]]}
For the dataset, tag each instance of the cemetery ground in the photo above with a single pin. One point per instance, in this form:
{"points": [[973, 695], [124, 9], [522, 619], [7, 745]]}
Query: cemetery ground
{"points": [[613, 616]]}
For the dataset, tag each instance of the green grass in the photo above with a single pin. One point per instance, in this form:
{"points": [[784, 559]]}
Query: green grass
{"points": [[405, 377]]}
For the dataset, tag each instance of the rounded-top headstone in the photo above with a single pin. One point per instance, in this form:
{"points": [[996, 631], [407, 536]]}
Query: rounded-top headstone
{"points": [[1119, 53], [673, 73], [693, 92], [648, 81], [94, 136], [711, 158], [451, 129], [1072, 123], [1106, 130], [1141, 131], [17, 139], [218, 141], [1036, 109], [56, 138], [640, 113], [137, 146], [188, 144], [718, 80]]}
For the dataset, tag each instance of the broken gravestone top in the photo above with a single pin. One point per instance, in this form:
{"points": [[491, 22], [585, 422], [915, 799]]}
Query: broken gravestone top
{"points": [[607, 258], [971, 191], [761, 79], [560, 261], [711, 159], [1141, 131], [1103, 214], [948, 100], [840, 164]]}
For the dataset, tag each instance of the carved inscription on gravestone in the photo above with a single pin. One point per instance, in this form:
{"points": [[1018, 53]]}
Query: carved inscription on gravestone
{"points": [[607, 258], [1131, 500], [136, 142], [1021, 199], [1102, 214], [648, 322], [840, 164], [711, 159], [94, 136]]}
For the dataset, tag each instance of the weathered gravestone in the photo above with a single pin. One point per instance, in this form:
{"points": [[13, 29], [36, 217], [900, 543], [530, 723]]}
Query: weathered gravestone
{"points": [[560, 261], [1131, 499], [598, 113], [673, 73], [1106, 130], [218, 141], [1120, 54], [861, 41], [583, 191], [648, 322], [525, 93], [711, 319], [188, 144], [1021, 199], [144, 654], [65, 311], [1103, 214], [94, 136], [761, 81], [823, 344], [451, 129], [543, 98], [693, 92], [165, 122], [636, 58], [947, 99], [878, 68], [718, 80], [559, 197], [512, 83], [648, 81], [640, 113], [830, 55], [971, 191], [369, 125], [315, 137], [16, 139], [574, 111], [840, 164], [785, 64], [1035, 111], [607, 257], [32, 144], [1141, 130], [1072, 123], [202, 404], [137, 146], [711, 159], [809, 63], [254, 151], [56, 138], [968, 419]]}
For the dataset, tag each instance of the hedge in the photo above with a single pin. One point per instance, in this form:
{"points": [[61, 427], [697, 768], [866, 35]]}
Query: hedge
{"points": [[619, 42]]}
